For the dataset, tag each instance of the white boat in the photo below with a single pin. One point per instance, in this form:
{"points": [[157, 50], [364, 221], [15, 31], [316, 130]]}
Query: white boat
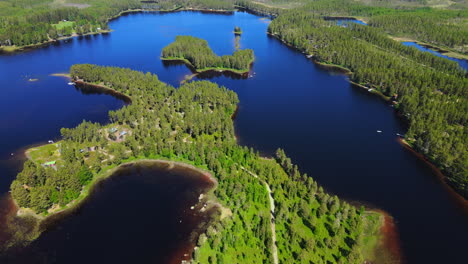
{"points": [[71, 83], [379, 131]]}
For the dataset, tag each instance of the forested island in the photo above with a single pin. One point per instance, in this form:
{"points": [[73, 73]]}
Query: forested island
{"points": [[192, 124], [237, 31], [196, 53]]}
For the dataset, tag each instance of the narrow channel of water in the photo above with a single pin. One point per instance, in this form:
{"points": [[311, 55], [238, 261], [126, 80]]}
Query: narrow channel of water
{"points": [[462, 63], [324, 124]]}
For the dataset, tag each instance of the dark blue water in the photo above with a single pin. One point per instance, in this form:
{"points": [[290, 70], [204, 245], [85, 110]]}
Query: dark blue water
{"points": [[462, 63], [324, 124]]}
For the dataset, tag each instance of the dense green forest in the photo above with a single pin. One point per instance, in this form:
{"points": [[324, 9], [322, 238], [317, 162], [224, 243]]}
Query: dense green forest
{"points": [[430, 92], [198, 54], [193, 124], [440, 23], [27, 22]]}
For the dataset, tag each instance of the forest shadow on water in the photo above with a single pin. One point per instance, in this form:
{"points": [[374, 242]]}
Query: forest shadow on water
{"points": [[206, 75], [88, 89], [142, 213]]}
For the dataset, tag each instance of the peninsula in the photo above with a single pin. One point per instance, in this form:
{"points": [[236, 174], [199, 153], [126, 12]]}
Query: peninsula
{"points": [[193, 125]]}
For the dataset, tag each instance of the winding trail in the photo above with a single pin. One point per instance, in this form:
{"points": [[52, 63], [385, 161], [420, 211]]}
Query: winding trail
{"points": [[274, 249]]}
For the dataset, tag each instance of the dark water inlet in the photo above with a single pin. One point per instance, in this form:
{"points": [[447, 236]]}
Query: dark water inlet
{"points": [[140, 214], [324, 124]]}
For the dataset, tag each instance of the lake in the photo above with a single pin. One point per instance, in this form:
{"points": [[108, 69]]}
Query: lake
{"points": [[324, 124]]}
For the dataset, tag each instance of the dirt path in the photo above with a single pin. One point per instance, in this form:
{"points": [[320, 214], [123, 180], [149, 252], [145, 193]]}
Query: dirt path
{"points": [[274, 249]]}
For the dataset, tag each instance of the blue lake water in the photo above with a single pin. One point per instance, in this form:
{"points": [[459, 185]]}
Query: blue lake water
{"points": [[345, 22], [462, 63], [326, 126]]}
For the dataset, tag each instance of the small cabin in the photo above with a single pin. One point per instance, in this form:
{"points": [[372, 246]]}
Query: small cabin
{"points": [[113, 130], [49, 164]]}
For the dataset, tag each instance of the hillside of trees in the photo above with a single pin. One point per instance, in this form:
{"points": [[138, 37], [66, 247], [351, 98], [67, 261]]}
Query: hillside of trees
{"points": [[38, 23], [193, 124], [201, 57], [431, 93], [26, 22]]}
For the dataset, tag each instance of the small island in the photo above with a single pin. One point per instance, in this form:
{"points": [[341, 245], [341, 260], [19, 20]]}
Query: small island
{"points": [[237, 31], [196, 53]]}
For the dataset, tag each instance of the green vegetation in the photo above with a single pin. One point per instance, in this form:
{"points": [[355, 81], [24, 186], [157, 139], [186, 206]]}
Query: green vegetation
{"points": [[197, 53], [63, 24], [237, 31], [44, 153], [444, 28], [193, 124], [429, 92]]}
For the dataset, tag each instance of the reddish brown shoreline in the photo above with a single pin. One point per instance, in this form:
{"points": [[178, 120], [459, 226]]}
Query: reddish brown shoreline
{"points": [[460, 200], [390, 238], [8, 209]]}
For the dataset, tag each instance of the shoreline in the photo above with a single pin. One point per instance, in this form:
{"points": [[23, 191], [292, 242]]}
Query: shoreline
{"points": [[459, 199], [204, 70], [174, 10], [196, 72], [373, 91], [106, 174], [85, 86], [334, 68], [389, 242], [98, 88], [345, 18], [35, 224], [15, 49]]}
